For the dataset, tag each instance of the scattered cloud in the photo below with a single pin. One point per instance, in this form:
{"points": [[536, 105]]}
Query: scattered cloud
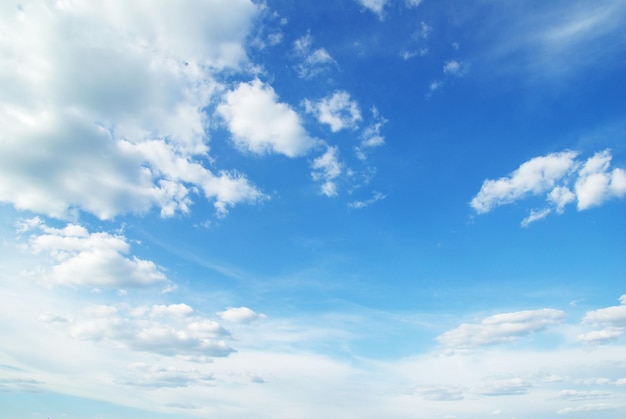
{"points": [[80, 258], [375, 6], [377, 196], [613, 317], [583, 395], [240, 315], [313, 61], [338, 111], [327, 168], [439, 393], [552, 175], [454, 68], [505, 387], [500, 328], [259, 123], [135, 328], [587, 408]]}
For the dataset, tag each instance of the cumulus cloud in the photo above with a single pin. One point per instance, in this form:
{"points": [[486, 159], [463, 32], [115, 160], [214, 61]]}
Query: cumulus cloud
{"points": [[78, 257], [553, 175], [259, 123], [100, 79], [137, 329], [337, 111], [313, 62], [614, 318], [596, 184], [240, 315], [327, 168], [500, 328]]}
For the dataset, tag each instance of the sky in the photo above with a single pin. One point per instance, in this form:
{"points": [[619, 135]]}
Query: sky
{"points": [[305, 209]]}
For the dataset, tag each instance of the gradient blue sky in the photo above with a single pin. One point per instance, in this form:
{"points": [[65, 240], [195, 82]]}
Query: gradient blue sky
{"points": [[304, 209]]}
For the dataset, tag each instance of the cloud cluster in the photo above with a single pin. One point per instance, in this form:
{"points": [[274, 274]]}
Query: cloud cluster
{"points": [[80, 258], [337, 111], [90, 89], [313, 61], [163, 330], [553, 175], [612, 318], [500, 328]]}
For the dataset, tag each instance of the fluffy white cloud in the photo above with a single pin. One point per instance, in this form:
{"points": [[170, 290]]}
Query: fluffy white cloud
{"points": [[505, 387], [500, 328], [83, 80], [552, 174], [78, 257], [240, 315], [536, 176], [596, 184], [613, 317], [260, 123], [337, 111], [327, 168]]}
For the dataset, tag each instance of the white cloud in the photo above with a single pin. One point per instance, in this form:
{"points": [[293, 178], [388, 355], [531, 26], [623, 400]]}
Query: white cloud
{"points": [[413, 3], [260, 123], [454, 68], [440, 393], [327, 168], [583, 395], [505, 387], [500, 328], [614, 318], [587, 408], [138, 330], [601, 336], [313, 61], [240, 315], [536, 176], [363, 204], [337, 111], [596, 184], [78, 257], [81, 78], [376, 6]]}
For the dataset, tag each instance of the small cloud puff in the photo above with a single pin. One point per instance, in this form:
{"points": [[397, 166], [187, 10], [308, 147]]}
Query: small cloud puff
{"points": [[338, 111], [240, 315], [313, 61]]}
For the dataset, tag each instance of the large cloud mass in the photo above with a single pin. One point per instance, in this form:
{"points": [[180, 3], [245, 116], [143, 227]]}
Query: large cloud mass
{"points": [[87, 87]]}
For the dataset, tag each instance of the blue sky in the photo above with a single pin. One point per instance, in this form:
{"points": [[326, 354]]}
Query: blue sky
{"points": [[269, 209]]}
